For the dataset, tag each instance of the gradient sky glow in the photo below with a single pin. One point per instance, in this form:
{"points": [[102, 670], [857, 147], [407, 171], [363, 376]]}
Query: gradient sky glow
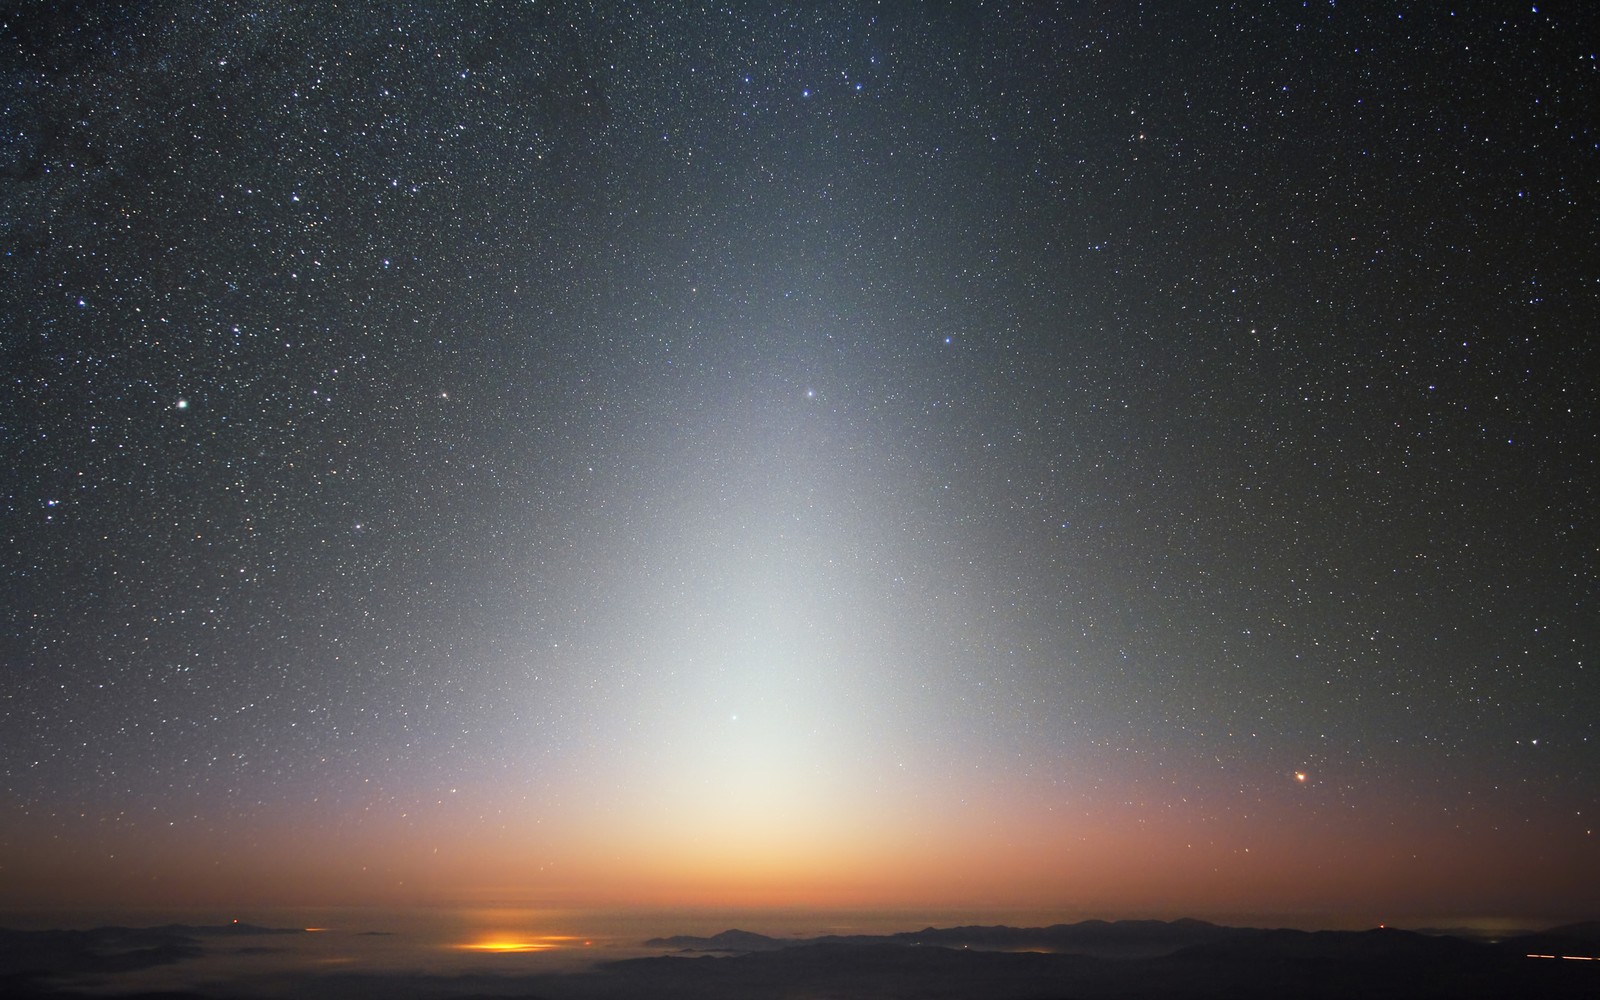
{"points": [[1109, 459]]}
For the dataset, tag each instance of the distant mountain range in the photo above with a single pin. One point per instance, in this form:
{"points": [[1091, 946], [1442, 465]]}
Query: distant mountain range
{"points": [[1118, 939], [1093, 960], [1124, 938], [1182, 960], [106, 950]]}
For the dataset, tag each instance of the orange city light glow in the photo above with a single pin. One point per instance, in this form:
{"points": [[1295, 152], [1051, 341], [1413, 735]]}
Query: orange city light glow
{"points": [[505, 944]]}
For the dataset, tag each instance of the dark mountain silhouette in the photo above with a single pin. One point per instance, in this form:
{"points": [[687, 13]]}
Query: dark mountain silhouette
{"points": [[1113, 939], [1586, 931], [1181, 959], [1375, 963], [1243, 963], [28, 957], [1581, 940], [1339, 945], [729, 941], [1385, 964], [1118, 939]]}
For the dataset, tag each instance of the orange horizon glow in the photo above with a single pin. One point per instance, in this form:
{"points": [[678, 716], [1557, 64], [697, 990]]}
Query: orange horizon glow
{"points": [[505, 944], [1010, 850]]}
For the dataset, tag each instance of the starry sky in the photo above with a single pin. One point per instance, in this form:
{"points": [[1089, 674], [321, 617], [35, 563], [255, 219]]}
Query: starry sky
{"points": [[1120, 458]]}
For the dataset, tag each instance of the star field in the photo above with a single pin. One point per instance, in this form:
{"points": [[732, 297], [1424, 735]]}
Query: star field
{"points": [[1085, 455]]}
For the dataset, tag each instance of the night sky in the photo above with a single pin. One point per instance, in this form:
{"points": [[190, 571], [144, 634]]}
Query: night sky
{"points": [[1120, 458]]}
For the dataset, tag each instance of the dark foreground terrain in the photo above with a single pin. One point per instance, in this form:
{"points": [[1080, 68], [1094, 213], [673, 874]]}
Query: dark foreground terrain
{"points": [[1095, 959]]}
